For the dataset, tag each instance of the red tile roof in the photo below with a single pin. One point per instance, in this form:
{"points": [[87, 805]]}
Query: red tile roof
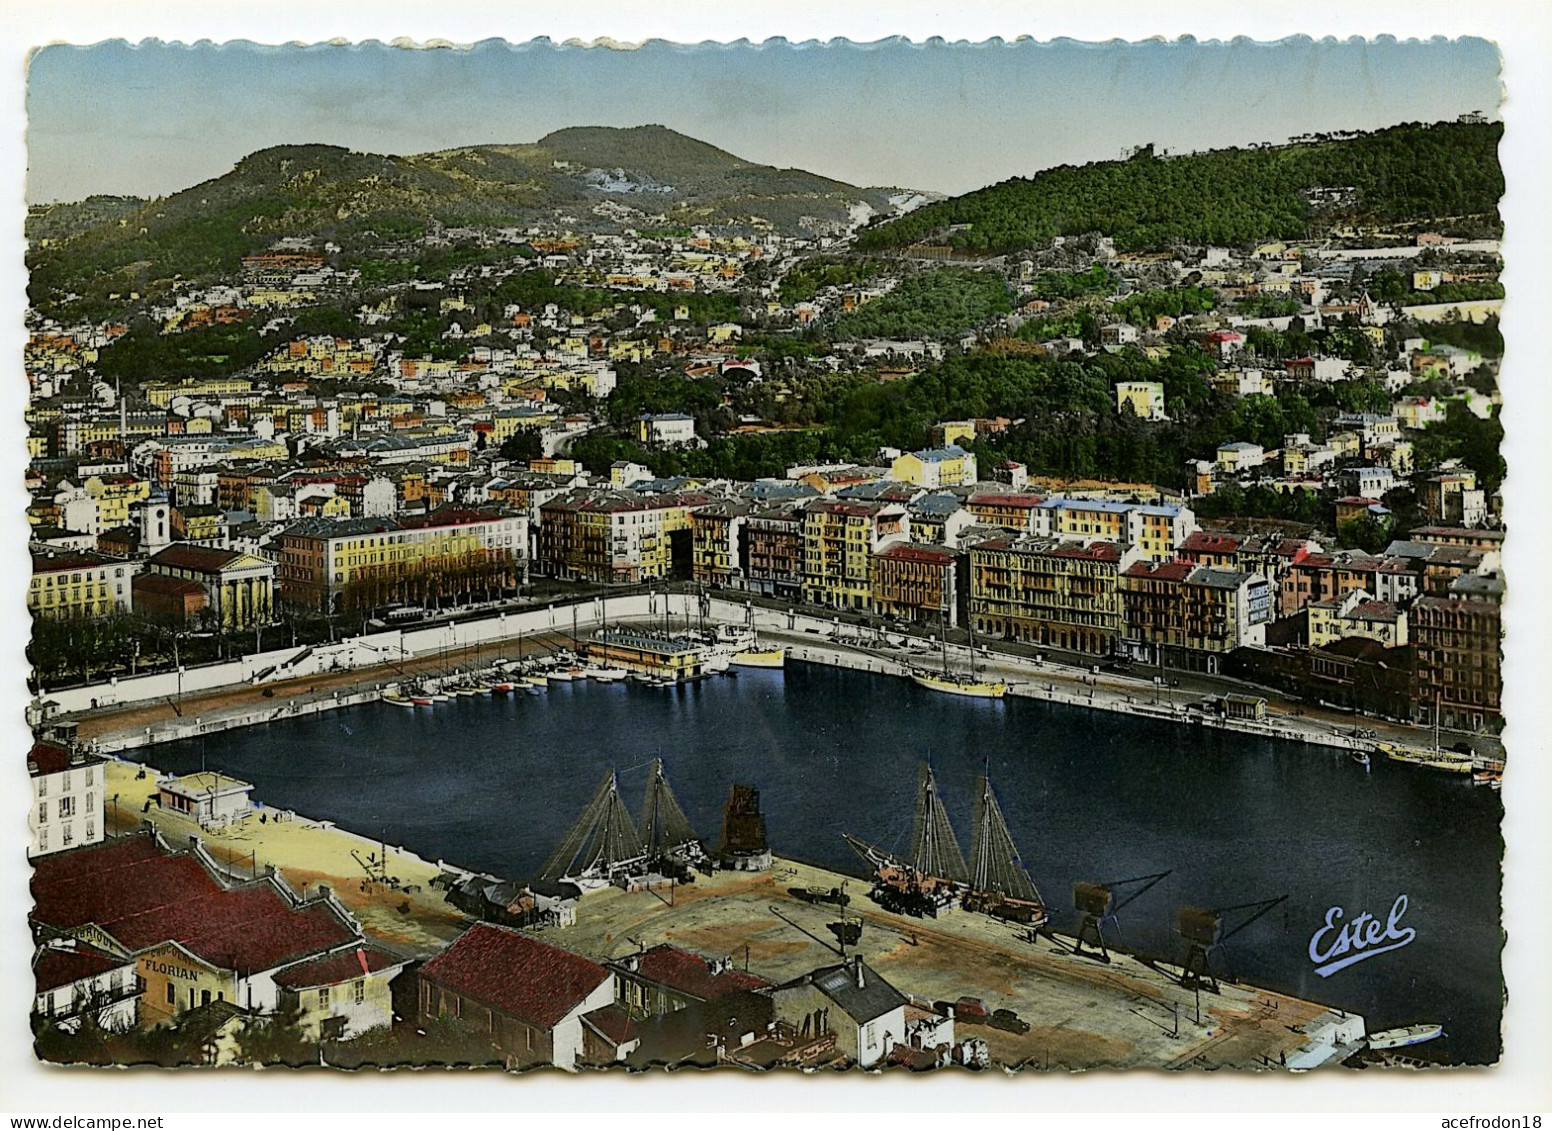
{"points": [[1208, 541], [142, 896], [200, 559], [1023, 502], [916, 552], [523, 977], [52, 758], [1093, 552], [691, 973], [332, 969], [57, 967], [1167, 571]]}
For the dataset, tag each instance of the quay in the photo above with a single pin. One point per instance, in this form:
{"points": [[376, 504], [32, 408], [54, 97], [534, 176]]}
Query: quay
{"points": [[1081, 1014], [136, 713]]}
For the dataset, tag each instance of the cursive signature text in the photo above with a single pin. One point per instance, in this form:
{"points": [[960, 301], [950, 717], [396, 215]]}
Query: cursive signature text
{"points": [[1336, 945]]}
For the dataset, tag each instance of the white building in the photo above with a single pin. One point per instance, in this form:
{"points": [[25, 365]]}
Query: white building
{"points": [[667, 429], [67, 801], [1240, 456], [209, 797], [853, 1002], [71, 979]]}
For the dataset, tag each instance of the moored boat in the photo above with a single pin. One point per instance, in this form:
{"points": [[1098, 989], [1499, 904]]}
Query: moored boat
{"points": [[607, 674], [954, 684], [395, 699], [1406, 1035], [761, 658], [1443, 760]]}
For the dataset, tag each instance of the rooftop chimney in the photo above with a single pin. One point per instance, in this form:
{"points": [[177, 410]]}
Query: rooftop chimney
{"points": [[857, 965]]}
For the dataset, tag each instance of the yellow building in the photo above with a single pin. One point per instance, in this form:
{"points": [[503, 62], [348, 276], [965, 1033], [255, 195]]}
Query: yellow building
{"points": [[115, 494], [839, 540], [509, 422], [950, 466], [161, 393], [1141, 398], [453, 553], [1156, 529], [79, 584], [614, 536], [957, 433]]}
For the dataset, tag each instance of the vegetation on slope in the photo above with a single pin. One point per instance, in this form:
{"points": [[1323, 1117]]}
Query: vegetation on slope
{"points": [[1225, 197]]}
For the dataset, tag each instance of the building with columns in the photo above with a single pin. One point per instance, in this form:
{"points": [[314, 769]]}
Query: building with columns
{"points": [[239, 588]]}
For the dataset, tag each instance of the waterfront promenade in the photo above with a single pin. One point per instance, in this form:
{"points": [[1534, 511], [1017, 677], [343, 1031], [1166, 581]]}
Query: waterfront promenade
{"points": [[809, 638]]}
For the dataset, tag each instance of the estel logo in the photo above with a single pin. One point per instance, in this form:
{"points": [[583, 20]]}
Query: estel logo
{"points": [[1362, 938]]}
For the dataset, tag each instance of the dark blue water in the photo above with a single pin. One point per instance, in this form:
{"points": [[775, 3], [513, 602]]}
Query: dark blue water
{"points": [[493, 784]]}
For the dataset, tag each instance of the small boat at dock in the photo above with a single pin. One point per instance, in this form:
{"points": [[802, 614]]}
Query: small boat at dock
{"points": [[1446, 761], [956, 684], [1406, 1035], [395, 699], [760, 658]]}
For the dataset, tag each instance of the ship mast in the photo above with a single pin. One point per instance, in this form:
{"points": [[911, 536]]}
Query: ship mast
{"points": [[994, 860], [664, 826], [934, 851], [602, 837]]}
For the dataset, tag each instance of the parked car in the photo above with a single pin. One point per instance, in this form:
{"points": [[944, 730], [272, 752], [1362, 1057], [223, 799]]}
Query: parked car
{"points": [[1008, 1021], [971, 1010]]}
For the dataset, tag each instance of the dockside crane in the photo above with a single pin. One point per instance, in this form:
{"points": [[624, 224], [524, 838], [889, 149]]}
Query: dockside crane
{"points": [[1203, 932], [1096, 903]]}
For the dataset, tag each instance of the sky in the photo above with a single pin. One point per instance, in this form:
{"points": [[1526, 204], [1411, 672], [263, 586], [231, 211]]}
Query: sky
{"points": [[154, 118]]}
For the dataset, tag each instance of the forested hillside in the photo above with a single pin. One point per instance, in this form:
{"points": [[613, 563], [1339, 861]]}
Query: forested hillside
{"points": [[1225, 197]]}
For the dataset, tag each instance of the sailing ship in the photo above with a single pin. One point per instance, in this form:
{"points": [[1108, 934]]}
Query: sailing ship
{"points": [[999, 885], [605, 846], [1447, 761], [959, 683], [602, 842], [933, 877]]}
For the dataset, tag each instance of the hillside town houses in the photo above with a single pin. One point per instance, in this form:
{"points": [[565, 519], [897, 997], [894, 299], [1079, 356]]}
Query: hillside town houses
{"points": [[356, 471], [344, 475]]}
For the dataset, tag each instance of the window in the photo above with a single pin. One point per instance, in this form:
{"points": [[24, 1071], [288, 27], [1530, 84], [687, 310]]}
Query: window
{"points": [[90, 780], [69, 837], [43, 812], [323, 997], [66, 807], [360, 990], [172, 994], [868, 1035]]}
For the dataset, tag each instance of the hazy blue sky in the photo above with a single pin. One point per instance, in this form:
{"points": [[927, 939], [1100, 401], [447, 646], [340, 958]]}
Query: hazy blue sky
{"points": [[156, 118]]}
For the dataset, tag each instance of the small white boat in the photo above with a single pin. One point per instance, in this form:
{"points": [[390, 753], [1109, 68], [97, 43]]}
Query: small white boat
{"points": [[559, 675], [607, 675], [535, 681], [393, 698], [440, 697], [1406, 1035]]}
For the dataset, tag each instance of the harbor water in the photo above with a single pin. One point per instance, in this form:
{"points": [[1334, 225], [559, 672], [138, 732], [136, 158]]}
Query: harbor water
{"points": [[493, 784]]}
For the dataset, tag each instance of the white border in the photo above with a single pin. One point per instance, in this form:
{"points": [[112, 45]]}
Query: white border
{"points": [[1523, 31]]}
